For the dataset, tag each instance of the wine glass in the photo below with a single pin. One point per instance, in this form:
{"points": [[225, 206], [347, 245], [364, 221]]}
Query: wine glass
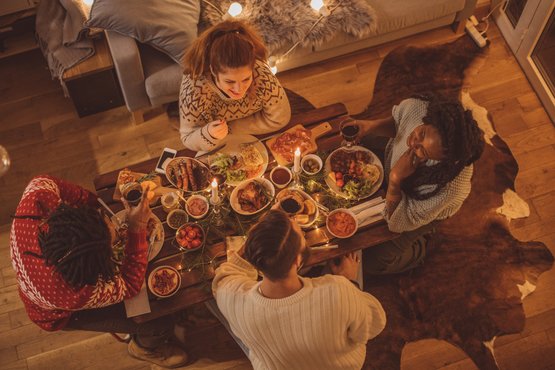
{"points": [[4, 161], [349, 129]]}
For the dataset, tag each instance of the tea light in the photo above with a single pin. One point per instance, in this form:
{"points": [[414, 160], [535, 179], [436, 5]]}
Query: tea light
{"points": [[215, 197], [297, 161]]}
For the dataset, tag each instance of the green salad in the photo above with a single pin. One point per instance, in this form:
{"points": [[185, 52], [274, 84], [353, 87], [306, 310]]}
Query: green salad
{"points": [[228, 166]]}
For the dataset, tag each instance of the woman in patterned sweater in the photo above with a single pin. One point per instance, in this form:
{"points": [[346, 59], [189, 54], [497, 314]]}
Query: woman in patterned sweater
{"points": [[61, 252], [429, 163], [228, 87]]}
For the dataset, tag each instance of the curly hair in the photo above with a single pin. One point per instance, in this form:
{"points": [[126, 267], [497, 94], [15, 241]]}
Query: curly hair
{"points": [[272, 245], [462, 141], [77, 244]]}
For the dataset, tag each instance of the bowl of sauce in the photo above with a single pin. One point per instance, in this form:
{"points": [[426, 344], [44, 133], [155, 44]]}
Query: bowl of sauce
{"points": [[281, 176]]}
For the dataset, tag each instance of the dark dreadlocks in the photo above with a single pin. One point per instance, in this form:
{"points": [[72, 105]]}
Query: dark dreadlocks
{"points": [[463, 144], [77, 244]]}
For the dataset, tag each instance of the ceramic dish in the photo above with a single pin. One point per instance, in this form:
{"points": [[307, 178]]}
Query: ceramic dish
{"points": [[197, 206], [188, 174], [342, 223], [307, 213], [252, 196], [155, 234], [363, 168], [164, 281]]}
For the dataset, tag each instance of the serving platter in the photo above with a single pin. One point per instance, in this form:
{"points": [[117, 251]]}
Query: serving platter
{"points": [[332, 183], [233, 151]]}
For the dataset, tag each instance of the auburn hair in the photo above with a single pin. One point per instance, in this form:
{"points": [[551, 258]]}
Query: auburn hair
{"points": [[462, 141], [229, 44], [273, 245]]}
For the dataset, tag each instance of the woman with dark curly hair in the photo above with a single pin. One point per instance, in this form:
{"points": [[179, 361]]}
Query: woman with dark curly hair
{"points": [[428, 165]]}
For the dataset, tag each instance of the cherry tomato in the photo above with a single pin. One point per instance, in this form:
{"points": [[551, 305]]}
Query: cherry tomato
{"points": [[191, 234], [188, 228], [196, 243], [338, 175], [183, 243], [339, 183], [182, 233]]}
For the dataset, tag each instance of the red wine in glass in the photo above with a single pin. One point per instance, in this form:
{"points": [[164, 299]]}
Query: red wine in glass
{"points": [[349, 130]]}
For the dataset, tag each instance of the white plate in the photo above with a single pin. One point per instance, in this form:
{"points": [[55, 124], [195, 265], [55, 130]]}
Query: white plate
{"points": [[234, 197], [305, 195], [336, 189], [157, 243], [233, 148]]}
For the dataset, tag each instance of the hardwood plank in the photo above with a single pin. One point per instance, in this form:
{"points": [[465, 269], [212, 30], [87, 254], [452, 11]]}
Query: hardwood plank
{"points": [[532, 139], [19, 318], [49, 341], [536, 181], [9, 299], [7, 355]]}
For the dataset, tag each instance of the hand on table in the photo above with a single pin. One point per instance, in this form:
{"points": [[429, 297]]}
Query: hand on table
{"points": [[348, 266], [137, 217], [218, 129]]}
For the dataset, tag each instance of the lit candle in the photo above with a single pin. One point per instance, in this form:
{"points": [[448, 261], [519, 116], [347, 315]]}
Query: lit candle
{"points": [[215, 198], [297, 162]]}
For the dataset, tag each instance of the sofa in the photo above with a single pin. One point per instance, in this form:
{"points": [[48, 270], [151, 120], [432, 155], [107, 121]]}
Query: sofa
{"points": [[149, 78]]}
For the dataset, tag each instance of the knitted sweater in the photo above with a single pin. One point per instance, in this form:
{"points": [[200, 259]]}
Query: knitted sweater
{"points": [[48, 299], [325, 325], [264, 108], [411, 214]]}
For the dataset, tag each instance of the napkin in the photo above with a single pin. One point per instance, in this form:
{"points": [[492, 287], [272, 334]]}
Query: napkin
{"points": [[369, 212], [138, 304], [234, 243]]}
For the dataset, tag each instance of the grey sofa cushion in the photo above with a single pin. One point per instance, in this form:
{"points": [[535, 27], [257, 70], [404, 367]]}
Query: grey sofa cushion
{"points": [[167, 25], [162, 75]]}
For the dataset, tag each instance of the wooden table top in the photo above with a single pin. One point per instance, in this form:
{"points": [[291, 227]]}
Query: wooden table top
{"points": [[195, 284]]}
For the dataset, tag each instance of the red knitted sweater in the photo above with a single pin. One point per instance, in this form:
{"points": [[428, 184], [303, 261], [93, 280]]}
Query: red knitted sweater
{"points": [[48, 299]]}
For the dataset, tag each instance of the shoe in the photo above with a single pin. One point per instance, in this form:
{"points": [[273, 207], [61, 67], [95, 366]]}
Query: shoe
{"points": [[167, 355]]}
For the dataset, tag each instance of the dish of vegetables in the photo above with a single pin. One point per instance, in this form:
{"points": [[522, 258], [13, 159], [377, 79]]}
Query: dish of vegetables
{"points": [[354, 173]]}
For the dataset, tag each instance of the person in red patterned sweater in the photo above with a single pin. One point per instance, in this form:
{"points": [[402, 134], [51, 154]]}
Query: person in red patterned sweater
{"points": [[60, 246]]}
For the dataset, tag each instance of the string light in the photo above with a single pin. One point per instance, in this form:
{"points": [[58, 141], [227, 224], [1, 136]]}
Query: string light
{"points": [[234, 9], [272, 63]]}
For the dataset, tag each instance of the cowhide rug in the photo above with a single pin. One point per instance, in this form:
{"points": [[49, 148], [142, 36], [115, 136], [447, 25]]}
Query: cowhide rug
{"points": [[471, 286]]}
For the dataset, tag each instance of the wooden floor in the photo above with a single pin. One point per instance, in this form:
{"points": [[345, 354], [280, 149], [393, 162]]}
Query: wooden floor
{"points": [[43, 135]]}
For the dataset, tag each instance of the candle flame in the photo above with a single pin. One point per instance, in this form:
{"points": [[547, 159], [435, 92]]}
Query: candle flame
{"points": [[298, 151], [214, 183]]}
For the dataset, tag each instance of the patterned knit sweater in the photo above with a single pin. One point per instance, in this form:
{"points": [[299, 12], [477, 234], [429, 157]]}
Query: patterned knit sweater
{"points": [[325, 325], [48, 299], [411, 214], [264, 108]]}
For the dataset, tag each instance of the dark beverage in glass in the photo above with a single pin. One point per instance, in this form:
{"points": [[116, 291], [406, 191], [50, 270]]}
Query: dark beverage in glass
{"points": [[349, 130], [290, 205]]}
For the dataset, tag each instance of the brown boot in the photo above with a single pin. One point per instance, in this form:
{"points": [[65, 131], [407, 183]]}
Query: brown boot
{"points": [[167, 355]]}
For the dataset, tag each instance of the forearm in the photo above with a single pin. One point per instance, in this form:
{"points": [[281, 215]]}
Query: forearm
{"points": [[393, 196], [197, 138], [384, 127], [134, 264]]}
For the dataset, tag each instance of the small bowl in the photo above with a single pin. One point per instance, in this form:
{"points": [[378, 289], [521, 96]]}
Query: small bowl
{"points": [[176, 213], [280, 185], [175, 279], [311, 157], [186, 241], [334, 231], [197, 199]]}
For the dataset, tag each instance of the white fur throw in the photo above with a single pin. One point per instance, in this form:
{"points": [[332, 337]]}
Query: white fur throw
{"points": [[284, 22]]}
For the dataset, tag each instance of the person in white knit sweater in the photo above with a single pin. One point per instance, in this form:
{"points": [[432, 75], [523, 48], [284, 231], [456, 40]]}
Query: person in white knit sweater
{"points": [[428, 164], [287, 321], [228, 87]]}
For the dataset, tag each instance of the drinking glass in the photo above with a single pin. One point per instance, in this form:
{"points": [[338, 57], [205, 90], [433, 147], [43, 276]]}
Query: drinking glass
{"points": [[349, 129], [4, 161]]}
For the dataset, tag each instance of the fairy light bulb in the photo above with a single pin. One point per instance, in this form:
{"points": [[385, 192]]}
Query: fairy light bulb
{"points": [[316, 4], [272, 62], [235, 9], [88, 2]]}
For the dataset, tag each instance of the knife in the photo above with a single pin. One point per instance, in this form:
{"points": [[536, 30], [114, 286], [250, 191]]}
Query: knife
{"points": [[215, 150]]}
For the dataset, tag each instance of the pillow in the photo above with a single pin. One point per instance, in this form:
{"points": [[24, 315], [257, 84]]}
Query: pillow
{"points": [[168, 25]]}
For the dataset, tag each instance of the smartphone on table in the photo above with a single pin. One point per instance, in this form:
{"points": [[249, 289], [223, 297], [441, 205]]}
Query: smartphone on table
{"points": [[167, 155]]}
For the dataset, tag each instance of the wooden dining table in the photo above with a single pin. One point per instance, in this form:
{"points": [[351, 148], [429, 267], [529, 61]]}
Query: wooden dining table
{"points": [[195, 282]]}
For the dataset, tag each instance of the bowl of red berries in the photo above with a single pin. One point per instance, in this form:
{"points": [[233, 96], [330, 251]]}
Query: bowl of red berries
{"points": [[190, 236]]}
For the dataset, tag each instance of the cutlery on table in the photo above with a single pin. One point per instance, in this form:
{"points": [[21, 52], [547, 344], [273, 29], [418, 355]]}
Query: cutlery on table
{"points": [[103, 204]]}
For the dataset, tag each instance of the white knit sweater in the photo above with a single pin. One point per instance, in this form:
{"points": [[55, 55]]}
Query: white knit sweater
{"points": [[325, 325], [265, 108], [411, 214]]}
